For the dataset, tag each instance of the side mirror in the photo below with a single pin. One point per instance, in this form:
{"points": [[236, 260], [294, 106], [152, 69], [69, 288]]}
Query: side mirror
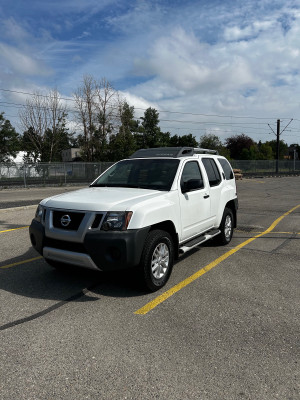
{"points": [[192, 184]]}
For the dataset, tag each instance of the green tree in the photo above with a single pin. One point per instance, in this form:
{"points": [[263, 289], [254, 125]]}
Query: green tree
{"points": [[182, 141], [235, 144], [123, 144], [57, 139], [50, 145], [9, 140], [297, 148], [283, 148], [265, 151], [213, 142], [150, 129], [210, 141], [29, 142]]}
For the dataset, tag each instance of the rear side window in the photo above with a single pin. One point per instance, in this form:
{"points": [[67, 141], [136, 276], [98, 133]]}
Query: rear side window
{"points": [[226, 168], [212, 171]]}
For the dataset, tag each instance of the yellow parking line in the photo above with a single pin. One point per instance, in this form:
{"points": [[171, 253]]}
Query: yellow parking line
{"points": [[14, 229], [20, 262], [273, 233], [164, 296]]}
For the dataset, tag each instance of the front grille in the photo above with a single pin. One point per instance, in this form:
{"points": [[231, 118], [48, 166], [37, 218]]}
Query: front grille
{"points": [[97, 220], [67, 220], [64, 245]]}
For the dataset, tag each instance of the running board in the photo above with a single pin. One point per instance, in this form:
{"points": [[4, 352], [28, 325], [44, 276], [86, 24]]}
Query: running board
{"points": [[198, 240]]}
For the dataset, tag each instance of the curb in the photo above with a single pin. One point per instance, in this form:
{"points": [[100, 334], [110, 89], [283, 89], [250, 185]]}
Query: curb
{"points": [[33, 206]]}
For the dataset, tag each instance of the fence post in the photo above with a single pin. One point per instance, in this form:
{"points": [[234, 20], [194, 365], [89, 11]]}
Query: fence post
{"points": [[24, 174], [65, 173]]}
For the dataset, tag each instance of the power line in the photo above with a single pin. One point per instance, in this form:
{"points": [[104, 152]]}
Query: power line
{"points": [[245, 126], [160, 111]]}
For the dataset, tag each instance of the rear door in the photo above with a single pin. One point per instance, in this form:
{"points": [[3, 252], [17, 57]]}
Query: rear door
{"points": [[194, 204], [215, 185]]}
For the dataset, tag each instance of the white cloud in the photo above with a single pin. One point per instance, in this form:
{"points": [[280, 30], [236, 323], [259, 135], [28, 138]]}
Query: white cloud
{"points": [[19, 62], [182, 65], [139, 103], [192, 57]]}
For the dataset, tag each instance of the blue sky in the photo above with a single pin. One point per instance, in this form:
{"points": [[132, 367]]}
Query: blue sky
{"points": [[203, 64]]}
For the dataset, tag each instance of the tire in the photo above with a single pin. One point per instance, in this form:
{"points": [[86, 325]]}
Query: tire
{"points": [[157, 259], [226, 227]]}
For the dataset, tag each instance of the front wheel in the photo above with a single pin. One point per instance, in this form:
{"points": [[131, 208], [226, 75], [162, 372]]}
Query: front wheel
{"points": [[226, 227], [157, 259]]}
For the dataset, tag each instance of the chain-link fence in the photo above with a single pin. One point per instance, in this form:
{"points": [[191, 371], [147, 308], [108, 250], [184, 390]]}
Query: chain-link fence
{"points": [[266, 167], [50, 173], [22, 174]]}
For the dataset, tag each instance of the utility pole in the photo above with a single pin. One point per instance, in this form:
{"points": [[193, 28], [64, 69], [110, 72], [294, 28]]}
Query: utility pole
{"points": [[277, 145], [278, 133]]}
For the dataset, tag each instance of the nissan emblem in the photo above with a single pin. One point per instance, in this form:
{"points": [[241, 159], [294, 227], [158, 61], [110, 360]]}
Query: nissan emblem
{"points": [[65, 220]]}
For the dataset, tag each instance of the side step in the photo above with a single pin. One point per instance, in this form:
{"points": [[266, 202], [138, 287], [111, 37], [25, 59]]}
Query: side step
{"points": [[198, 240]]}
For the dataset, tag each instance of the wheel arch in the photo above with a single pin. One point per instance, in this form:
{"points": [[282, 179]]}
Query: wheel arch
{"points": [[232, 204], [169, 227]]}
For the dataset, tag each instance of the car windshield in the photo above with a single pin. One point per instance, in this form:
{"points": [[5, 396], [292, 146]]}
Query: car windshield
{"points": [[157, 174]]}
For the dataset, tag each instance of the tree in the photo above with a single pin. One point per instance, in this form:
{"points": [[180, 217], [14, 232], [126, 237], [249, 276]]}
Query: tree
{"points": [[43, 119], [283, 148], [182, 141], [265, 151], [210, 141], [213, 142], [295, 147], [97, 105], [150, 129], [235, 144], [86, 115], [9, 140], [57, 139], [123, 144]]}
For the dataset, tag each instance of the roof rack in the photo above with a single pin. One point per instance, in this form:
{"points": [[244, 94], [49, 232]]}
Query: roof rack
{"points": [[198, 150], [173, 152]]}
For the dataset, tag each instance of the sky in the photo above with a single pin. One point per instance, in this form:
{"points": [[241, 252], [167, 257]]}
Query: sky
{"points": [[222, 67]]}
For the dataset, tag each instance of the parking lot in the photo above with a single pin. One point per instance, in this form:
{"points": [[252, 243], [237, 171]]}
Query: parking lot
{"points": [[226, 326]]}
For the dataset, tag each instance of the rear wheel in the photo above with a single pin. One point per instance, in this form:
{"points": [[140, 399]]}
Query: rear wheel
{"points": [[226, 227], [157, 259]]}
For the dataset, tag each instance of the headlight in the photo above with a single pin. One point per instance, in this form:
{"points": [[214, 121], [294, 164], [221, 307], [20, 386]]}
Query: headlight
{"points": [[39, 213], [116, 221]]}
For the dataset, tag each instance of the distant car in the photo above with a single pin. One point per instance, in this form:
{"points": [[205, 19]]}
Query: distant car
{"points": [[142, 212]]}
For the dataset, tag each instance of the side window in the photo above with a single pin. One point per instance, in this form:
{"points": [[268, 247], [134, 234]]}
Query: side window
{"points": [[226, 168], [190, 171], [212, 171]]}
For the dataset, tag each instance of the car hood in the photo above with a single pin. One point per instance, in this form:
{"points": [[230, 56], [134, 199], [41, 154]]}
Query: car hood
{"points": [[101, 199]]}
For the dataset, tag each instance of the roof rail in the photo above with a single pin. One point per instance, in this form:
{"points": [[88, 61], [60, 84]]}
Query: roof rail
{"points": [[173, 152], [198, 150]]}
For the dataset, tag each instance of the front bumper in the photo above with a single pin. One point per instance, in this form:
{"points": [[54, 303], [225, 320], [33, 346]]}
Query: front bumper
{"points": [[99, 250]]}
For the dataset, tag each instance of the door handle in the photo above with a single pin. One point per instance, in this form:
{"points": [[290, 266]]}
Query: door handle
{"points": [[206, 196]]}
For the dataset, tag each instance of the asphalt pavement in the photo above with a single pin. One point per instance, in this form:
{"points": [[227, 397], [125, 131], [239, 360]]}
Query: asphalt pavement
{"points": [[225, 327], [22, 197]]}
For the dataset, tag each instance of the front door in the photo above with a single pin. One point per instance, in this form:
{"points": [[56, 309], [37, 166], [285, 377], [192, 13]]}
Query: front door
{"points": [[194, 204]]}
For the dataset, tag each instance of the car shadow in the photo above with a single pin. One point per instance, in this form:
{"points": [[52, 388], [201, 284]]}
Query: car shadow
{"points": [[36, 279], [6, 226]]}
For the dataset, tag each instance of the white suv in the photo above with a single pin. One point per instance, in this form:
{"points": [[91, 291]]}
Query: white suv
{"points": [[142, 212]]}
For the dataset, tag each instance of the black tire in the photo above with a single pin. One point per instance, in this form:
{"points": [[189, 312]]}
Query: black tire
{"points": [[226, 227], [157, 259]]}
